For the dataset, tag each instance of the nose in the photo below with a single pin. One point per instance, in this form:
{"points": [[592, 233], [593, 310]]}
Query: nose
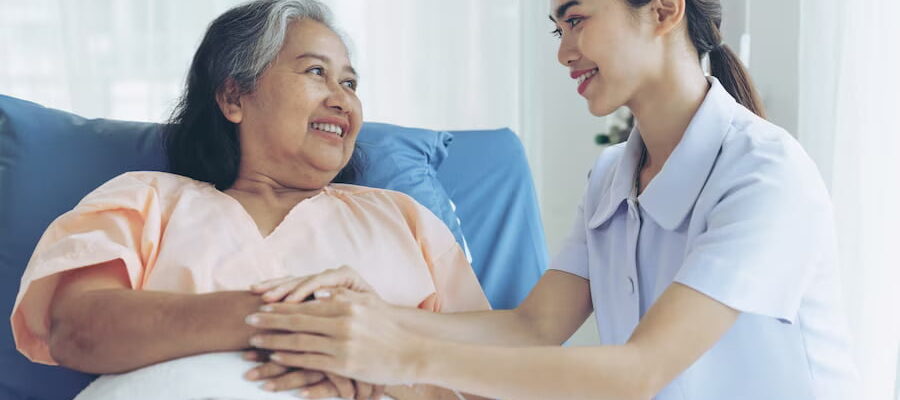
{"points": [[338, 99], [568, 52]]}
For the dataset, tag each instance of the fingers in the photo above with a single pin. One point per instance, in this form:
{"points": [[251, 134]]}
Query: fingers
{"points": [[319, 362], [284, 290], [343, 277], [322, 390], [266, 371], [321, 321], [378, 392], [294, 379], [363, 390], [344, 386], [263, 286], [259, 356], [294, 342]]}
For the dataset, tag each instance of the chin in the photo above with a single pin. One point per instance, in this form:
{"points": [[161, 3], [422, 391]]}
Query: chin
{"points": [[601, 109]]}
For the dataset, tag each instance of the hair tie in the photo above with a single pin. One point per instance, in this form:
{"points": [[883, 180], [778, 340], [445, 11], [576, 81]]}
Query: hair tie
{"points": [[720, 45]]}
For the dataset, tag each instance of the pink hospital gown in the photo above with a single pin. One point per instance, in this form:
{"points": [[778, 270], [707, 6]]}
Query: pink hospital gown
{"points": [[180, 235]]}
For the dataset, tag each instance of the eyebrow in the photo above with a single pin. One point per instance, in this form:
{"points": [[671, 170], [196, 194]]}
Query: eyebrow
{"points": [[561, 10], [326, 60]]}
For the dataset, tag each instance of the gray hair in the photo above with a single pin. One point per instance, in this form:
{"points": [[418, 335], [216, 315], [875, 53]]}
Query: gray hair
{"points": [[240, 44], [257, 30]]}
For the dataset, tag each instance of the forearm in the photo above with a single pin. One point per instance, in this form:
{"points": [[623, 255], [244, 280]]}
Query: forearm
{"points": [[609, 372], [501, 327], [427, 392], [117, 330]]}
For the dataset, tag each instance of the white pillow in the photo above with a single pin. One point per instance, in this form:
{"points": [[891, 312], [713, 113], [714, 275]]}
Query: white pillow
{"points": [[206, 376]]}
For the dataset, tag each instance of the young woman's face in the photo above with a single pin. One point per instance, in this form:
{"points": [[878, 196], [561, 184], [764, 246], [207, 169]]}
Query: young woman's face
{"points": [[606, 46]]}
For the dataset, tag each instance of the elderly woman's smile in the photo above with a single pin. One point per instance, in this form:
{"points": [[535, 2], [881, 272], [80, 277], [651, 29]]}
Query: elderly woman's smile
{"points": [[298, 126]]}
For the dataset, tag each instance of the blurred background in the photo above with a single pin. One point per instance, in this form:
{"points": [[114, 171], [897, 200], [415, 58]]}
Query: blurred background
{"points": [[827, 71]]}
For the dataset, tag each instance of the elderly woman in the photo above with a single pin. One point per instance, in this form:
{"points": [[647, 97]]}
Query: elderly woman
{"points": [[155, 266]]}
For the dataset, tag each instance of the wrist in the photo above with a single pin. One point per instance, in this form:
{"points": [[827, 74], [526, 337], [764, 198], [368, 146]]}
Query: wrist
{"points": [[232, 316], [421, 360]]}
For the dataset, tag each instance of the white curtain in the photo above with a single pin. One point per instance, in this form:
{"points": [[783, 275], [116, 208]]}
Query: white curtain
{"points": [[439, 64], [849, 110], [434, 63], [113, 59]]}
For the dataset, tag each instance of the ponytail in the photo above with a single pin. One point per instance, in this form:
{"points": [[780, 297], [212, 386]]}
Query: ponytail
{"points": [[704, 17], [728, 69]]}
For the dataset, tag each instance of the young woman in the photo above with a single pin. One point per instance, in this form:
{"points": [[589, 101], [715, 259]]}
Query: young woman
{"points": [[705, 244]]}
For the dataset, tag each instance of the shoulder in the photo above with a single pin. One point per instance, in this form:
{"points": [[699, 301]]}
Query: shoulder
{"points": [[763, 165], [138, 187], [375, 198], [757, 149], [391, 206]]}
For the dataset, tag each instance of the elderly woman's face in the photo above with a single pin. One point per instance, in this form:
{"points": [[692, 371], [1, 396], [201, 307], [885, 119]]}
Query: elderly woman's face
{"points": [[299, 126]]}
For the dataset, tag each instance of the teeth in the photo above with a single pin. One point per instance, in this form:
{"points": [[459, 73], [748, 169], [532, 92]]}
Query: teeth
{"points": [[335, 129], [583, 77]]}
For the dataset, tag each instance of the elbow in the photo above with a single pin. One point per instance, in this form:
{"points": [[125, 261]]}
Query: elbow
{"points": [[646, 389], [72, 347], [536, 333], [650, 380]]}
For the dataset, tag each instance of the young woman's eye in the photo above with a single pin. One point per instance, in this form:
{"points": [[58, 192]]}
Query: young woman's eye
{"points": [[316, 71], [350, 84], [574, 21], [556, 33]]}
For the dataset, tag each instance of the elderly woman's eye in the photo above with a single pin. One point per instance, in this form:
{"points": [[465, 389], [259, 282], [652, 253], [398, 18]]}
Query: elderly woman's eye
{"points": [[316, 70], [350, 84]]}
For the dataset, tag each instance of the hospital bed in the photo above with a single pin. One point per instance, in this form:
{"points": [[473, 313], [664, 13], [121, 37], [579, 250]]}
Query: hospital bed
{"points": [[477, 181]]}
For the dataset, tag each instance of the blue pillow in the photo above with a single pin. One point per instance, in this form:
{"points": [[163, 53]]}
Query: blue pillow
{"points": [[50, 159], [386, 162]]}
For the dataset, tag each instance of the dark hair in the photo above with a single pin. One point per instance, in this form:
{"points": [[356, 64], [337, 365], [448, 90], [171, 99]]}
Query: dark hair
{"points": [[238, 45], [704, 19]]}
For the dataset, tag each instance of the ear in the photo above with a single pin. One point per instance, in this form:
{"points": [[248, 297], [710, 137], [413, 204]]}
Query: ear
{"points": [[667, 15], [229, 100]]}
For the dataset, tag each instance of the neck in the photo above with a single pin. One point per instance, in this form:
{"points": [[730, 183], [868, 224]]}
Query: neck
{"points": [[664, 107], [261, 187]]}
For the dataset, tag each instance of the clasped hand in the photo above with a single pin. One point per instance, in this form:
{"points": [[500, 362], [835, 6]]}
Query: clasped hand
{"points": [[344, 330]]}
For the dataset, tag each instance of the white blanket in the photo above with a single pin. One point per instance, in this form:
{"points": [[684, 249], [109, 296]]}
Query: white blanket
{"points": [[206, 376]]}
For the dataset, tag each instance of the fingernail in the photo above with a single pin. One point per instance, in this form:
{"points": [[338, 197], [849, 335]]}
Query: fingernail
{"points": [[269, 386], [303, 393], [322, 294], [253, 374], [267, 308], [252, 319], [276, 357], [256, 340]]}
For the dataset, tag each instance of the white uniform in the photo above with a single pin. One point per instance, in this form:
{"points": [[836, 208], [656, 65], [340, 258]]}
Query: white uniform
{"points": [[739, 213]]}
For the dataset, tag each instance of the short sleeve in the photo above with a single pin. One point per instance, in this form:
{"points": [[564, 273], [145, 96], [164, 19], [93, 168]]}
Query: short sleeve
{"points": [[119, 220], [455, 284], [573, 257], [765, 239]]}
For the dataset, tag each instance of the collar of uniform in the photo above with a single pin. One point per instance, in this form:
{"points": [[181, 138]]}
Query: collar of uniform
{"points": [[621, 184], [672, 193]]}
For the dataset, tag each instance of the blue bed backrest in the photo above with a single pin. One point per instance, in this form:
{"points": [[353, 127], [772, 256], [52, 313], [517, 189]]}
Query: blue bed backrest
{"points": [[486, 175]]}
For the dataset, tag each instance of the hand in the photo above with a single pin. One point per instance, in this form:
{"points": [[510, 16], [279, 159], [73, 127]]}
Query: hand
{"points": [[312, 384], [348, 333], [294, 289]]}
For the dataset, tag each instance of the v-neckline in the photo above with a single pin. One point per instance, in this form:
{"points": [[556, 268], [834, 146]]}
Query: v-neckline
{"points": [[250, 223]]}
